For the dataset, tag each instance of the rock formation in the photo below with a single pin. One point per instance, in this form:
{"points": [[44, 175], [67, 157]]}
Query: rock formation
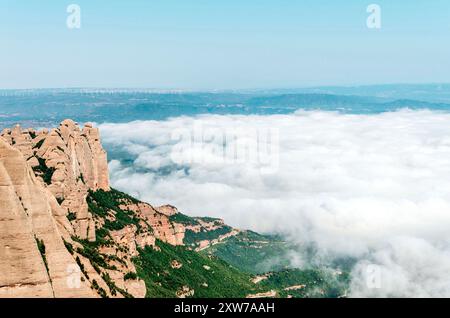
{"points": [[33, 259], [48, 185], [164, 229], [167, 209], [70, 161]]}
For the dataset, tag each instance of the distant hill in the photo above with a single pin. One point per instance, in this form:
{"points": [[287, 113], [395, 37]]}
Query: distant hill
{"points": [[47, 108]]}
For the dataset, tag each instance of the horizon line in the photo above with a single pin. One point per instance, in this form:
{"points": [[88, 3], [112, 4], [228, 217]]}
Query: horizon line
{"points": [[216, 90]]}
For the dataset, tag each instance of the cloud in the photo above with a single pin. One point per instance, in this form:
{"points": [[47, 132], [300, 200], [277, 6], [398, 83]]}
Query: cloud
{"points": [[373, 187], [406, 266]]}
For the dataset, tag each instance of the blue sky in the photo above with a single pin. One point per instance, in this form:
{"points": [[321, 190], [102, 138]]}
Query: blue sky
{"points": [[200, 44]]}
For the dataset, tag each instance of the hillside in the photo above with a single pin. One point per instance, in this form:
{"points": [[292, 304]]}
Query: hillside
{"points": [[67, 233], [49, 107], [253, 252]]}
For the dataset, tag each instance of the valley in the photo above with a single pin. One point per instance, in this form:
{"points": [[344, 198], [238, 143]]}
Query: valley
{"points": [[59, 211]]}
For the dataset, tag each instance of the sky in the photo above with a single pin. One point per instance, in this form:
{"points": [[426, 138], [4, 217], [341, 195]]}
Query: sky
{"points": [[372, 187], [230, 44]]}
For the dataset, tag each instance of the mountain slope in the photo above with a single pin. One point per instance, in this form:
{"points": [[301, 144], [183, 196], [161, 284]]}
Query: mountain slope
{"points": [[171, 271], [33, 258], [65, 232], [253, 252]]}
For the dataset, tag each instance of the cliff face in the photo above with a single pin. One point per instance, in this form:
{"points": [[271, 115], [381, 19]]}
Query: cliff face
{"points": [[163, 228], [33, 259], [63, 231], [69, 162]]}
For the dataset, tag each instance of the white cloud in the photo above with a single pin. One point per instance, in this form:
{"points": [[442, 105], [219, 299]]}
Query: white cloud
{"points": [[375, 187]]}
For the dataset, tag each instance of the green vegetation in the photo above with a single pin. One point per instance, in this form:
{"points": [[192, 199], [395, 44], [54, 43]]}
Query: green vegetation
{"points": [[253, 252], [130, 276], [101, 202], [71, 216], [223, 270], [90, 251], [189, 220], [32, 134], [192, 237], [307, 283], [68, 246], [83, 270], [106, 206], [45, 172], [208, 219], [208, 276], [41, 248], [100, 290], [39, 144], [183, 219], [113, 287], [102, 237], [81, 178], [99, 261]]}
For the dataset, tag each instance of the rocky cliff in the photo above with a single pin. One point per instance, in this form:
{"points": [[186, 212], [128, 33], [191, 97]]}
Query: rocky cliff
{"points": [[34, 261], [63, 231], [69, 161]]}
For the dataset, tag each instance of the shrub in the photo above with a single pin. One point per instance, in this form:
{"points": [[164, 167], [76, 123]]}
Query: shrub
{"points": [[71, 216], [130, 276], [45, 171], [100, 290], [39, 144], [41, 248], [69, 247]]}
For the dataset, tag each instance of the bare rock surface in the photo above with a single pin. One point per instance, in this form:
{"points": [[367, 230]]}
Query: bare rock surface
{"points": [[26, 221], [70, 161], [47, 227]]}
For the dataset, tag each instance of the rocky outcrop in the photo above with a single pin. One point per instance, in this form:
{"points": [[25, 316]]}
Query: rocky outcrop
{"points": [[176, 264], [269, 294], [259, 278], [167, 209], [206, 225], [33, 259], [204, 244], [295, 287], [185, 292], [53, 243], [163, 228], [132, 240], [45, 179], [69, 161]]}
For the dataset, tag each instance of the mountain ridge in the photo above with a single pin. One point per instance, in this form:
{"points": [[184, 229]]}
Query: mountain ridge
{"points": [[48, 108], [65, 232], [63, 167]]}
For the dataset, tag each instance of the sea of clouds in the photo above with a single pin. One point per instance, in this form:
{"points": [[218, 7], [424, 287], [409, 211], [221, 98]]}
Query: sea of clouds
{"points": [[373, 187]]}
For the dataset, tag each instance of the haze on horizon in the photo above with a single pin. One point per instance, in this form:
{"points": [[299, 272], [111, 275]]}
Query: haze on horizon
{"points": [[228, 45]]}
